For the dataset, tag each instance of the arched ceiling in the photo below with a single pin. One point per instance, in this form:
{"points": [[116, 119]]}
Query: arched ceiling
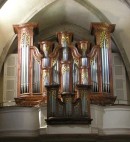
{"points": [[73, 15], [62, 11]]}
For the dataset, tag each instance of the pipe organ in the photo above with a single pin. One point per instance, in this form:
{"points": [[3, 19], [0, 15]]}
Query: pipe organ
{"points": [[68, 76], [101, 66], [29, 64]]}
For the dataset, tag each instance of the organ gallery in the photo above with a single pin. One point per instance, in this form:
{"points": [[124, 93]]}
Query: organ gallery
{"points": [[67, 75]]}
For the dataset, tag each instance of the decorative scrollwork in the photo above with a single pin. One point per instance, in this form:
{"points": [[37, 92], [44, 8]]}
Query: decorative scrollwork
{"points": [[25, 38], [103, 36], [84, 75], [53, 93], [65, 68], [65, 38], [54, 60], [76, 61], [69, 100], [83, 49], [45, 74]]}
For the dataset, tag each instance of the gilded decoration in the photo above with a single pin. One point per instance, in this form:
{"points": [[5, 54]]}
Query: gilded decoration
{"points": [[83, 93], [69, 100], [53, 93], [83, 48], [54, 60], [64, 37], [45, 74], [46, 49], [76, 61], [99, 27], [103, 37], [91, 61], [102, 31], [65, 68], [25, 38], [93, 58], [84, 75]]}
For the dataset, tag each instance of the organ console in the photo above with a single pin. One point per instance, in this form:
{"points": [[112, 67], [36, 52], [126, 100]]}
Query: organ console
{"points": [[68, 76]]}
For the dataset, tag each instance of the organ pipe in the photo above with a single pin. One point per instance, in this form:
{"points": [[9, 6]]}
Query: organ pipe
{"points": [[36, 76], [105, 68], [83, 47], [102, 33], [46, 49], [27, 79], [94, 75], [25, 41], [24, 66]]}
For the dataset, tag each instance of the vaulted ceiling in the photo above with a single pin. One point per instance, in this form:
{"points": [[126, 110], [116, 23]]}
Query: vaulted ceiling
{"points": [[66, 15]]}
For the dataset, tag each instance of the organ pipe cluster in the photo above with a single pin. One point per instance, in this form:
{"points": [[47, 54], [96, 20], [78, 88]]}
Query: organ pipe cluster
{"points": [[66, 65]]}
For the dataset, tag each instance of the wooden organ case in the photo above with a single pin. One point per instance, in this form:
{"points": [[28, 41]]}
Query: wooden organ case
{"points": [[101, 65], [29, 89], [69, 77]]}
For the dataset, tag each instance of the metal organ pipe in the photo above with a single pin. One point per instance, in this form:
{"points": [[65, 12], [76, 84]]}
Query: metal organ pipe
{"points": [[27, 68], [24, 69], [36, 76], [94, 75], [105, 68], [54, 74], [23, 59], [108, 83], [57, 72], [36, 69], [103, 71], [33, 76], [96, 79], [85, 71], [107, 71], [66, 76], [73, 76], [21, 85]]}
